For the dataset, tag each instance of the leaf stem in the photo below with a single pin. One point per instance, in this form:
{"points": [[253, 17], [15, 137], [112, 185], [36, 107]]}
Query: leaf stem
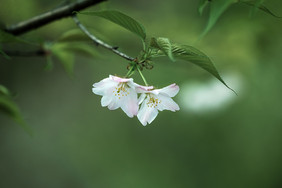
{"points": [[144, 45], [142, 76]]}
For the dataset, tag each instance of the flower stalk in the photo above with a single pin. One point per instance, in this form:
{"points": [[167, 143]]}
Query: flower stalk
{"points": [[142, 76], [131, 70]]}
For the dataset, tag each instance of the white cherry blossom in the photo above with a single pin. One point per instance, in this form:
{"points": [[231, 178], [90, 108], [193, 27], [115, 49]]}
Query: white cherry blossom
{"points": [[153, 101], [118, 92]]}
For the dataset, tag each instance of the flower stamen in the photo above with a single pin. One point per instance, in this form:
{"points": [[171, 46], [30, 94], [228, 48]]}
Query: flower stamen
{"points": [[121, 90], [153, 102]]}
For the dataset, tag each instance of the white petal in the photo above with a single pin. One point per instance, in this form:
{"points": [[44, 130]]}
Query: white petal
{"points": [[106, 100], [146, 114], [131, 84], [103, 87], [129, 103], [102, 82], [153, 115], [170, 90], [141, 98], [114, 104], [166, 103], [98, 91]]}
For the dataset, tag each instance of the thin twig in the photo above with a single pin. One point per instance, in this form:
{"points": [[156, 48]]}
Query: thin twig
{"points": [[99, 42], [50, 16]]}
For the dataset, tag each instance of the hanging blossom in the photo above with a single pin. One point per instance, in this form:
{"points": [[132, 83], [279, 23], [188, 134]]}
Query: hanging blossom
{"points": [[153, 101], [118, 93]]}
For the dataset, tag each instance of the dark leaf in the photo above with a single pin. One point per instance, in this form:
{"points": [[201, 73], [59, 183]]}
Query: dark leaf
{"points": [[122, 20], [202, 5], [217, 7], [4, 54], [7, 38], [65, 57], [259, 6], [4, 91], [7, 106], [74, 35]]}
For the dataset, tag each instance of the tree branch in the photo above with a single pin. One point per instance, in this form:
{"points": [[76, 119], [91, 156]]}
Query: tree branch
{"points": [[58, 13], [50, 16], [99, 42], [25, 53]]}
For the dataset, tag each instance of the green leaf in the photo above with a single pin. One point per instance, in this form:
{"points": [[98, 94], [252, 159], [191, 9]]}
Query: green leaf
{"points": [[4, 54], [202, 5], [121, 20], [193, 55], [8, 107], [255, 8], [67, 60], [164, 45], [7, 38], [4, 91], [65, 57], [82, 49], [65, 52], [74, 35], [217, 7], [260, 6]]}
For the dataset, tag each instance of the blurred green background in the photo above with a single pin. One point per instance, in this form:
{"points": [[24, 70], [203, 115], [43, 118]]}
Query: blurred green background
{"points": [[216, 140]]}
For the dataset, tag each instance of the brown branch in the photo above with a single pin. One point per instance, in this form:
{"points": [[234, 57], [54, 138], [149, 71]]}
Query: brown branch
{"points": [[25, 53], [53, 15], [50, 16]]}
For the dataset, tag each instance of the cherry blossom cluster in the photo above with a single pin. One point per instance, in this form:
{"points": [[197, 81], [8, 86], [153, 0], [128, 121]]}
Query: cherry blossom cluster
{"points": [[123, 93]]}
